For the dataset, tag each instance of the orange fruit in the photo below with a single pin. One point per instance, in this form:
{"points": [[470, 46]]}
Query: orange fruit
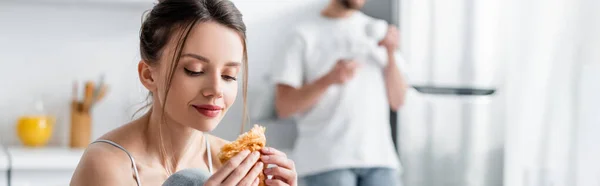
{"points": [[35, 131]]}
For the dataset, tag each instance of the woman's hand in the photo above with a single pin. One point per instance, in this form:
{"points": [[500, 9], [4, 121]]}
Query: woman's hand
{"points": [[284, 173], [241, 170]]}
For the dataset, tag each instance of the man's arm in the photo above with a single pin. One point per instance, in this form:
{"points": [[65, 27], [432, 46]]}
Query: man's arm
{"points": [[290, 100], [394, 83]]}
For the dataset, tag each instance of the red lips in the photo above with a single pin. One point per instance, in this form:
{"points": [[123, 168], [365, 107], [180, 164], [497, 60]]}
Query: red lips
{"points": [[210, 111]]}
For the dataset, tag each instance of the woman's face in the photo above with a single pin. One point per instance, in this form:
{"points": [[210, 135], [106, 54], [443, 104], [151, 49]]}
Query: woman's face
{"points": [[205, 82]]}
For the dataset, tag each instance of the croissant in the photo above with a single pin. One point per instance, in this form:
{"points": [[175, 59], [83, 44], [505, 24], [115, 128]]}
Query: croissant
{"points": [[253, 140]]}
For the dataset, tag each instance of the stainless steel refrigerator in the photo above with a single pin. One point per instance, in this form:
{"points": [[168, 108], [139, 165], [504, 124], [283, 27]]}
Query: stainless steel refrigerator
{"points": [[451, 129]]}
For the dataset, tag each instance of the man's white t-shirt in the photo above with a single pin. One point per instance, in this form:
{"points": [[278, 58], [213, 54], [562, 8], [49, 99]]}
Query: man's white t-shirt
{"points": [[349, 126]]}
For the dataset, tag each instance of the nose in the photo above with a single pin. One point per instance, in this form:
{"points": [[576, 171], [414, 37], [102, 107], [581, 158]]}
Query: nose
{"points": [[212, 87]]}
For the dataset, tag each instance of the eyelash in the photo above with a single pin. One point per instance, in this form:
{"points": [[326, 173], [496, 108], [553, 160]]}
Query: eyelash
{"points": [[193, 73], [229, 78]]}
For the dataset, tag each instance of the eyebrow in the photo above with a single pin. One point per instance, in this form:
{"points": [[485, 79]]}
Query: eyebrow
{"points": [[206, 60]]}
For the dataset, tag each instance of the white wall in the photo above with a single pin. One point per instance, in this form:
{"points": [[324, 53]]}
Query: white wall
{"points": [[44, 47], [587, 166]]}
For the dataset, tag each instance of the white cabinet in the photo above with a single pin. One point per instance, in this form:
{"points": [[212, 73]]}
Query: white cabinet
{"points": [[43, 167], [3, 178], [3, 167]]}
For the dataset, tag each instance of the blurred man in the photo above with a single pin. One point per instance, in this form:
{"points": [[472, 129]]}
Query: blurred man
{"points": [[338, 79]]}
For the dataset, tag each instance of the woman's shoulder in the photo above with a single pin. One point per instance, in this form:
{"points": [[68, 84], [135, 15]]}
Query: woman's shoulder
{"points": [[103, 164], [105, 154]]}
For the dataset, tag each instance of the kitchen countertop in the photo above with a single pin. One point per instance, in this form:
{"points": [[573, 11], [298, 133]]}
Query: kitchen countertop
{"points": [[47, 158]]}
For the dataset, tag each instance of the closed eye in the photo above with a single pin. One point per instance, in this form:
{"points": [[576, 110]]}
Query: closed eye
{"points": [[193, 73], [229, 78]]}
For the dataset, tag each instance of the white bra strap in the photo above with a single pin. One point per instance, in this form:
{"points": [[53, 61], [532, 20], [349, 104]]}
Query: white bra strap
{"points": [[135, 170], [210, 166]]}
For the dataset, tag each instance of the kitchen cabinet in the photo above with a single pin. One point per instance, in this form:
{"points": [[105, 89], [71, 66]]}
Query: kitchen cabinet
{"points": [[43, 166], [3, 167]]}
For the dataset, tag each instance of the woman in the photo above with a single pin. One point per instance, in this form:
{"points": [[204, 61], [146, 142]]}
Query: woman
{"points": [[192, 53]]}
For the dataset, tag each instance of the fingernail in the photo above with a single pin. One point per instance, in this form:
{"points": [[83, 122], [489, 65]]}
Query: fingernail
{"points": [[268, 171], [264, 158], [266, 149]]}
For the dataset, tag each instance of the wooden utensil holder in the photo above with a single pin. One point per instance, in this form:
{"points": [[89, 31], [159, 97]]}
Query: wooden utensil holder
{"points": [[81, 126]]}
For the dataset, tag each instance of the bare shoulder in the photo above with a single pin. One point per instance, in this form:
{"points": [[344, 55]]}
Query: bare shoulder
{"points": [[103, 164]]}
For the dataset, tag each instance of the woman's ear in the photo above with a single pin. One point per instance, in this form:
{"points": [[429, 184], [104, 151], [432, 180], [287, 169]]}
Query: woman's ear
{"points": [[146, 76]]}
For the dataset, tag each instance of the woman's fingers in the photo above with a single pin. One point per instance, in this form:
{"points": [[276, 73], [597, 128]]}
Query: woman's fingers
{"points": [[272, 182], [278, 178], [243, 168], [279, 173], [272, 151], [252, 175], [284, 173], [278, 160], [220, 175], [256, 181]]}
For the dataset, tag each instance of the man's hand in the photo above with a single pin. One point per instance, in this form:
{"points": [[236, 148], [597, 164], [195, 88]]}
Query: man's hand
{"points": [[391, 39], [342, 72]]}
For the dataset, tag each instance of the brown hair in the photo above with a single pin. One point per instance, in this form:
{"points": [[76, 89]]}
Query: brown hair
{"points": [[174, 19]]}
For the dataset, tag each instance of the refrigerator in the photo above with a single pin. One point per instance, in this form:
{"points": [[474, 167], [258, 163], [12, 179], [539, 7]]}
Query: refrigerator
{"points": [[451, 128]]}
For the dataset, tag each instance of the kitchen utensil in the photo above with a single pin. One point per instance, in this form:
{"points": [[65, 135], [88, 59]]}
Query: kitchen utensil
{"points": [[88, 97]]}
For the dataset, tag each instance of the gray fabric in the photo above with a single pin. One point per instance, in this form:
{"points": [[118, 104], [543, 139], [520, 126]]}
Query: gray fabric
{"points": [[187, 177]]}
